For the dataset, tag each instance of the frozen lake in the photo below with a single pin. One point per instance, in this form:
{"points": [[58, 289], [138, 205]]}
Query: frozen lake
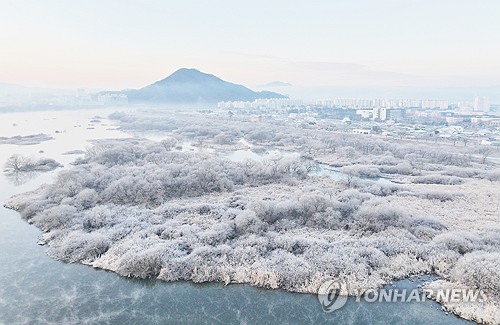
{"points": [[36, 289]]}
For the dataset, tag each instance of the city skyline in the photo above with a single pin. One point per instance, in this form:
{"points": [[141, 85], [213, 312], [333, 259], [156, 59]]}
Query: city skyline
{"points": [[350, 44]]}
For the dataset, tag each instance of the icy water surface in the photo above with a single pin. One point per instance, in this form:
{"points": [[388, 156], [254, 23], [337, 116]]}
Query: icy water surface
{"points": [[36, 289]]}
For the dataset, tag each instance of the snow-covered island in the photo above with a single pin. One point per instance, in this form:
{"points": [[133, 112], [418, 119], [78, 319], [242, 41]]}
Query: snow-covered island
{"points": [[26, 140], [22, 164], [145, 209]]}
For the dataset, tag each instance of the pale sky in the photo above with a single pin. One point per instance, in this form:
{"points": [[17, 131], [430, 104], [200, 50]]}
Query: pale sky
{"points": [[129, 44]]}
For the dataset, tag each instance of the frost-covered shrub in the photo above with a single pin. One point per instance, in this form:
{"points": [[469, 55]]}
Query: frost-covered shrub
{"points": [[491, 175], [438, 179], [461, 172], [31, 208], [394, 241], [98, 217], [69, 183], [291, 271], [175, 230], [353, 194], [441, 261], [479, 270], [87, 198], [248, 222], [211, 263], [117, 155], [491, 238], [329, 219], [376, 188], [272, 211], [361, 171], [177, 268], [169, 210], [442, 196], [372, 257], [81, 247], [347, 209], [426, 228], [458, 241], [438, 195], [385, 161], [378, 215], [350, 200], [403, 168], [219, 233], [61, 216], [143, 264], [46, 164], [307, 208]]}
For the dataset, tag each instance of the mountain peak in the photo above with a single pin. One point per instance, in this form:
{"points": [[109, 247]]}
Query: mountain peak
{"points": [[189, 75], [188, 85]]}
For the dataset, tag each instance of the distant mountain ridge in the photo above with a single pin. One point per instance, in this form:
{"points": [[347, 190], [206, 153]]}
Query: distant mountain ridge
{"points": [[193, 86], [276, 83]]}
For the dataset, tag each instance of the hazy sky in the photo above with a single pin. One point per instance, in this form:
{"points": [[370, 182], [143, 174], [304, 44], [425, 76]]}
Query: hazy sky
{"points": [[128, 44]]}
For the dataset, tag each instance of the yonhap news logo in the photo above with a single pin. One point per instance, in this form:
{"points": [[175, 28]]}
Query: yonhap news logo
{"points": [[333, 295]]}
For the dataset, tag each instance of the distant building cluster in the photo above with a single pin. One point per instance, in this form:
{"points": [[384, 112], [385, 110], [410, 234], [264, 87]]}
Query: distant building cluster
{"points": [[384, 113], [112, 98], [426, 111], [271, 103], [374, 109], [381, 113], [480, 104], [83, 97]]}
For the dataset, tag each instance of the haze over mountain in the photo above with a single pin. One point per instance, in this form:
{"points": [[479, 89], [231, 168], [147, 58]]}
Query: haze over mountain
{"points": [[193, 86], [276, 83]]}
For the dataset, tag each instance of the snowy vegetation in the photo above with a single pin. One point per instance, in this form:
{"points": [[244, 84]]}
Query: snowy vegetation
{"points": [[19, 164], [19, 169], [148, 209], [26, 139]]}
